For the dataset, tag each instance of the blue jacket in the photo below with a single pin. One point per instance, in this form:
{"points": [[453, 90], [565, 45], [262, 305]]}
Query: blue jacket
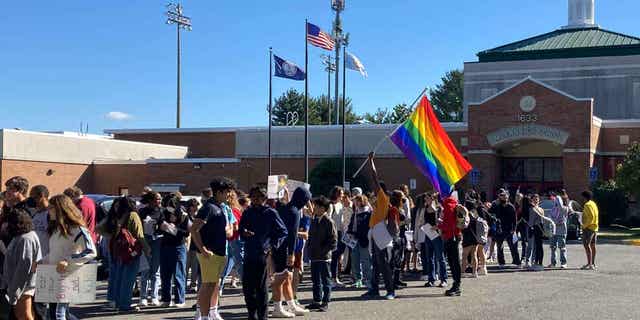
{"points": [[269, 232], [290, 215]]}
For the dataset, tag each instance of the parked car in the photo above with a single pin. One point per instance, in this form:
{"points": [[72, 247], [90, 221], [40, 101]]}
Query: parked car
{"points": [[103, 205]]}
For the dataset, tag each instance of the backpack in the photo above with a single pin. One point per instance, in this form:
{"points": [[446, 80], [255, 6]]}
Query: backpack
{"points": [[482, 230], [462, 217], [125, 247]]}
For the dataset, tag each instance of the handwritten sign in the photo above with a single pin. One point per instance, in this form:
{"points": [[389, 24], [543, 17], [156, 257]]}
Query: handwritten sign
{"points": [[275, 186], [77, 286]]}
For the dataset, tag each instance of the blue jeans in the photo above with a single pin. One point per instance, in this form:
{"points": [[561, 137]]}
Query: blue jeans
{"points": [[321, 281], [361, 264], [234, 259], [335, 256], [173, 267], [559, 242], [434, 259], [151, 277], [121, 281], [62, 311]]}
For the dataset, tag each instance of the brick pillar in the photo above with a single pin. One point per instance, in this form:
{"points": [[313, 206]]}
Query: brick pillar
{"points": [[575, 176], [487, 164]]}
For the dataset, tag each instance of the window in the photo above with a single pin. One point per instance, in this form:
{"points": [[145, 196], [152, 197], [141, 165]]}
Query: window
{"points": [[624, 139], [487, 92], [532, 169]]}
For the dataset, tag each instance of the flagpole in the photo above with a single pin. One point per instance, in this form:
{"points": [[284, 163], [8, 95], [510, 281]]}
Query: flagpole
{"points": [[306, 102], [344, 106], [270, 103], [388, 135]]}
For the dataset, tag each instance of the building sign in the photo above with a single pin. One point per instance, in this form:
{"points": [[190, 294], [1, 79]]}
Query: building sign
{"points": [[527, 132]]}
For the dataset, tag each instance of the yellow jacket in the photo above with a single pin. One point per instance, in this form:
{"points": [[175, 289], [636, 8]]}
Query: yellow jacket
{"points": [[590, 216], [381, 210]]}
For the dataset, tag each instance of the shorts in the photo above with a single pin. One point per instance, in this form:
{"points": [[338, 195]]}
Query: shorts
{"points": [[211, 267], [297, 261], [589, 236], [279, 258]]}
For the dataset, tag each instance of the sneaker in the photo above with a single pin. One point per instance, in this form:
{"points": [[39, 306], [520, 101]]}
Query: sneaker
{"points": [[313, 306], [453, 292], [297, 310], [390, 296], [429, 284], [443, 284], [563, 266], [215, 315], [324, 307], [180, 305], [155, 302], [234, 284], [280, 312], [143, 302], [370, 295]]}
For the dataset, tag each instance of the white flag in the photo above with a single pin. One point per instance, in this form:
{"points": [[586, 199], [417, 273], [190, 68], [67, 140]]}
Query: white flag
{"points": [[354, 63]]}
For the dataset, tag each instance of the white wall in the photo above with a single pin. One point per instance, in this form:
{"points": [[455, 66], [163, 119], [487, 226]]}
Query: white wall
{"points": [[48, 147]]}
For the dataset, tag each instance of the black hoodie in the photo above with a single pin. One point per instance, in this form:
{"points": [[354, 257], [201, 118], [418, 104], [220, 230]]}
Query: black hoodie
{"points": [[290, 215]]}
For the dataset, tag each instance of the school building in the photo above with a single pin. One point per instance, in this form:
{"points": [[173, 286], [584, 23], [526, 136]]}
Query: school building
{"points": [[557, 110]]}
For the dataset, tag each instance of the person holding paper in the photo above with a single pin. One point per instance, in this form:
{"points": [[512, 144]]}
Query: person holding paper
{"points": [[359, 229], [70, 244], [433, 248], [151, 215], [384, 224]]}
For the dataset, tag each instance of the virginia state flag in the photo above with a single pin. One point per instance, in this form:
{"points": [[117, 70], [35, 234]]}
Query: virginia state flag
{"points": [[287, 69]]}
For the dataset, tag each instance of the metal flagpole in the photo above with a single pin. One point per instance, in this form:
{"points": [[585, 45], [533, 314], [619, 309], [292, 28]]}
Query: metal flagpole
{"points": [[388, 135], [270, 104], [344, 106], [306, 103]]}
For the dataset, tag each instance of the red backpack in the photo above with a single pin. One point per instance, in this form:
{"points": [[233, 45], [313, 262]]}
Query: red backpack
{"points": [[125, 247]]}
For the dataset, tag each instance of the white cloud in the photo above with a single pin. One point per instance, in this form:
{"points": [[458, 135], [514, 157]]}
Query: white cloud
{"points": [[118, 116]]}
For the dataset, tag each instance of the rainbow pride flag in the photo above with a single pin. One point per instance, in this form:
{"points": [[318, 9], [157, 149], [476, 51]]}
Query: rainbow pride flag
{"points": [[424, 142]]}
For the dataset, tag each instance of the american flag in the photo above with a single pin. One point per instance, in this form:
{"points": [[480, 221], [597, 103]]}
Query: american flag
{"points": [[319, 38]]}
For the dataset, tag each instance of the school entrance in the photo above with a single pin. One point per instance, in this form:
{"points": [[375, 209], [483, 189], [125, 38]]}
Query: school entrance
{"points": [[533, 166]]}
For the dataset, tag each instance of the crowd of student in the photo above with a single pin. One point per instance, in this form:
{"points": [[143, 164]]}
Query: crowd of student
{"points": [[175, 245]]}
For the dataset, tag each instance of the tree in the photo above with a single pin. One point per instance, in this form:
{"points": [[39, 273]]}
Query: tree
{"points": [[628, 172], [328, 173], [447, 97], [378, 117], [399, 113], [291, 105]]}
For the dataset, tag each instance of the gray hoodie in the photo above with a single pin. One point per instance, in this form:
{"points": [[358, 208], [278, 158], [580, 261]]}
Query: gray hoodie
{"points": [[22, 255]]}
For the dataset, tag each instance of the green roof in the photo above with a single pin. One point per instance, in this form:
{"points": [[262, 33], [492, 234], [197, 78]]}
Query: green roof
{"points": [[565, 43]]}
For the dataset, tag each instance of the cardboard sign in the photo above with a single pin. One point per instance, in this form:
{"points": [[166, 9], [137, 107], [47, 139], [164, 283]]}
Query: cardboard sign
{"points": [[275, 186], [77, 286], [292, 185]]}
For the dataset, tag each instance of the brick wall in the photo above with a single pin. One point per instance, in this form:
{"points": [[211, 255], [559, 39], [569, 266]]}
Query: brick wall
{"points": [[61, 176], [201, 144]]}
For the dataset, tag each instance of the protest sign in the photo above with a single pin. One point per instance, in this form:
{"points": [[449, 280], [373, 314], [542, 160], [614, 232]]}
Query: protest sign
{"points": [[76, 286], [276, 185], [292, 185]]}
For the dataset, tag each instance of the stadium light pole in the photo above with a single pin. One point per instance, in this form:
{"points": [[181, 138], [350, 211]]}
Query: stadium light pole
{"points": [[329, 68], [175, 16], [337, 6]]}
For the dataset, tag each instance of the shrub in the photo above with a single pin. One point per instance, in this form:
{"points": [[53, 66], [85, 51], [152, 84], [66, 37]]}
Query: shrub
{"points": [[611, 200]]}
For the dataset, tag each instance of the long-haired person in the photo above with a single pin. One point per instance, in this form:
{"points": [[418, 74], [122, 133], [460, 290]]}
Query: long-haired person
{"points": [[126, 246], [70, 242], [23, 252], [173, 256], [151, 216], [433, 260], [337, 214], [359, 229], [236, 251], [536, 224]]}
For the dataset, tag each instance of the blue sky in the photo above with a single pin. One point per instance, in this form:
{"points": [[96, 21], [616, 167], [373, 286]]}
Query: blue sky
{"points": [[66, 62]]}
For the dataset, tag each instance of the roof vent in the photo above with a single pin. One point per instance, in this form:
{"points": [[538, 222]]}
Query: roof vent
{"points": [[581, 14]]}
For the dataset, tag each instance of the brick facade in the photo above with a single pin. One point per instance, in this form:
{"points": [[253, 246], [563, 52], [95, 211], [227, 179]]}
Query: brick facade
{"points": [[56, 176]]}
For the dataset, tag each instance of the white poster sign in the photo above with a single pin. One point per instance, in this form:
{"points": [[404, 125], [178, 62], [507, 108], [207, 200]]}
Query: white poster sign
{"points": [[275, 186], [77, 286], [292, 185]]}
